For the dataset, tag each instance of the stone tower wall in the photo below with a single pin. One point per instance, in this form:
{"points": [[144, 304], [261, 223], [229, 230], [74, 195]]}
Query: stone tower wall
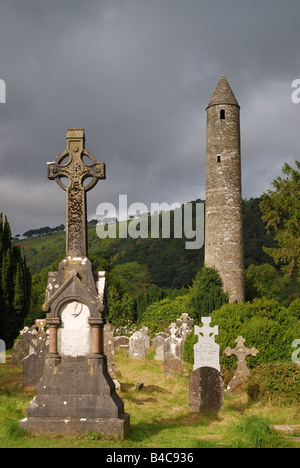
{"points": [[223, 208]]}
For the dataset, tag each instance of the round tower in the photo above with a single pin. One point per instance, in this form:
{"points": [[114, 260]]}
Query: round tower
{"points": [[223, 201]]}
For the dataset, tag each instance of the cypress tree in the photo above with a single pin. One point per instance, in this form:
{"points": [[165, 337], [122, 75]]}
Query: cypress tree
{"points": [[15, 285]]}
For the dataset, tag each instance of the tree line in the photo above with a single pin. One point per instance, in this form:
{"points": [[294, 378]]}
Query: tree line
{"points": [[15, 286]]}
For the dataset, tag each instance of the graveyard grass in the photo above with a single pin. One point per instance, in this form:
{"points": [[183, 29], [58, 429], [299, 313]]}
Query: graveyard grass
{"points": [[159, 414]]}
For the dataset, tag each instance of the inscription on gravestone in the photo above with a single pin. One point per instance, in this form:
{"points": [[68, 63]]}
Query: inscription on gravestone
{"points": [[206, 351]]}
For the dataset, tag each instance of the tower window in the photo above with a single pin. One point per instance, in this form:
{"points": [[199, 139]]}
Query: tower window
{"points": [[222, 114], [218, 158]]}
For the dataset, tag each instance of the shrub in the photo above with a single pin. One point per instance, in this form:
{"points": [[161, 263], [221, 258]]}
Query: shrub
{"points": [[159, 315], [278, 382], [263, 323]]}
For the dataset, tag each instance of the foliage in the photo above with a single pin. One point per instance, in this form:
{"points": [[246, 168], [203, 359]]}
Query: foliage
{"points": [[281, 212], [130, 277], [265, 280], [264, 324], [278, 382], [159, 315], [206, 294], [15, 286], [43, 231], [155, 294]]}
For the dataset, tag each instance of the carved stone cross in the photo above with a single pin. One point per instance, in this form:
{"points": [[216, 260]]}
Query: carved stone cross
{"points": [[241, 352], [71, 164], [206, 351]]}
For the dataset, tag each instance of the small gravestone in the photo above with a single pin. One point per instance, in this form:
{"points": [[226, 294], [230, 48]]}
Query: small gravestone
{"points": [[206, 351], [159, 339], [146, 333], [242, 372], [33, 364], [110, 352], [137, 345], [21, 347], [173, 344], [121, 341], [173, 365], [206, 388]]}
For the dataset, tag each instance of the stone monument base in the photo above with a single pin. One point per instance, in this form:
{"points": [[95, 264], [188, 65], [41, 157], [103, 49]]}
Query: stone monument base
{"points": [[206, 390], [76, 395]]}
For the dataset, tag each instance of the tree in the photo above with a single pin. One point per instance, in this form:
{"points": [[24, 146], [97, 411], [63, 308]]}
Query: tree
{"points": [[281, 212], [206, 294], [15, 285]]}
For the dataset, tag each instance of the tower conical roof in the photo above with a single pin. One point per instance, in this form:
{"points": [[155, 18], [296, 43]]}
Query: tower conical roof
{"points": [[223, 94]]}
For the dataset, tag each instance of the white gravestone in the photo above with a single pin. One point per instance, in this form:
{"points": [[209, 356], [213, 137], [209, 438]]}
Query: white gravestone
{"points": [[74, 334], [137, 345], [206, 351]]}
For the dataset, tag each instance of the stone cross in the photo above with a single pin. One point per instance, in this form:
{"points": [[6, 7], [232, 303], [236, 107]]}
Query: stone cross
{"points": [[241, 352], [206, 351], [71, 164]]}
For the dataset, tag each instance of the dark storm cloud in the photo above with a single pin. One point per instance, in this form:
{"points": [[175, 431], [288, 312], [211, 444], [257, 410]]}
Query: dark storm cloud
{"points": [[137, 75]]}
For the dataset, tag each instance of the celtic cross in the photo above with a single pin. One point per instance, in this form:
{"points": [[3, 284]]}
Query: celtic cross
{"points": [[71, 164]]}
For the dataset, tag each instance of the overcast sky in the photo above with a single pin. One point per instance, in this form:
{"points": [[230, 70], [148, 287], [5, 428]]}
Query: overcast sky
{"points": [[138, 75]]}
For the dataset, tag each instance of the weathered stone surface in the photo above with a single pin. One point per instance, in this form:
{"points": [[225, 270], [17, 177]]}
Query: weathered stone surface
{"points": [[206, 390], [137, 345], [159, 338], [69, 163], [76, 395], [174, 344], [173, 365], [109, 350], [33, 364], [223, 202], [242, 372], [121, 341]]}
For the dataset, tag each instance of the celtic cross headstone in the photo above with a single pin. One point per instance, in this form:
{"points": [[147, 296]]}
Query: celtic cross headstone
{"points": [[76, 393], [241, 352]]}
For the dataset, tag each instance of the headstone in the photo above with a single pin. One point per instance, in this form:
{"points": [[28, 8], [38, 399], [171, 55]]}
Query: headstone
{"points": [[173, 365], [159, 352], [159, 338], [185, 320], [173, 344], [33, 364], [110, 352], [76, 394], [121, 341], [146, 333], [242, 372], [206, 351], [21, 347], [137, 345], [206, 388]]}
